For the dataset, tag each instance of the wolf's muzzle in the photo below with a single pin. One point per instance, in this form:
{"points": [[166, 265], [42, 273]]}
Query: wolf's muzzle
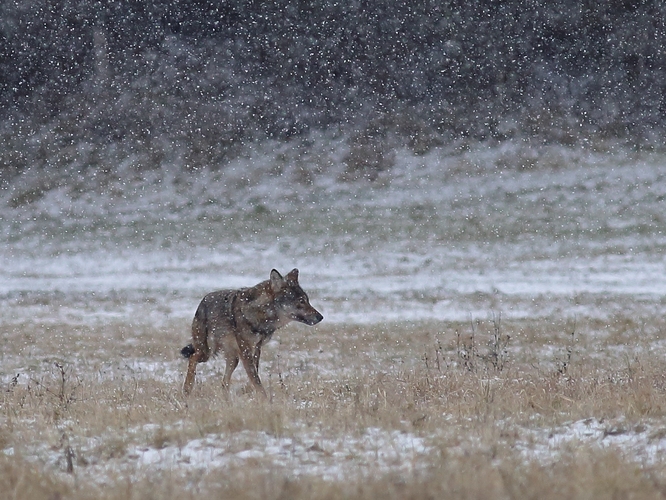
{"points": [[310, 319]]}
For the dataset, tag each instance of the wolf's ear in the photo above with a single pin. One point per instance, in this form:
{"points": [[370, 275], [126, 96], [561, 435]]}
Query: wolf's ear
{"points": [[276, 281], [293, 276]]}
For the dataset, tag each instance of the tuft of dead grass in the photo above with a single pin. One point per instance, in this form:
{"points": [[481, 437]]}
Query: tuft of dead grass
{"points": [[20, 480]]}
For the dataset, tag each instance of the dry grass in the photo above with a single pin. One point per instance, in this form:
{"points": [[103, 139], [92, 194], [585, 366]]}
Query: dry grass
{"points": [[88, 402]]}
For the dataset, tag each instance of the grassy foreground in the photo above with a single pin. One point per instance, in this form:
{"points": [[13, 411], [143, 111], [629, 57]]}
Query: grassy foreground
{"points": [[490, 408]]}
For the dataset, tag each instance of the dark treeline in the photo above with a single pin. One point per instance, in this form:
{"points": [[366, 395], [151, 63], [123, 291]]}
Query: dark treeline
{"points": [[209, 75]]}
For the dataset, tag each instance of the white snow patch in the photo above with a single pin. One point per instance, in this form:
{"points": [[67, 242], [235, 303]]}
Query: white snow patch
{"points": [[642, 443], [377, 450]]}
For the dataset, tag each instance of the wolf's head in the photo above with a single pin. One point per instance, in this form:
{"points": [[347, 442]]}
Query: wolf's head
{"points": [[291, 300]]}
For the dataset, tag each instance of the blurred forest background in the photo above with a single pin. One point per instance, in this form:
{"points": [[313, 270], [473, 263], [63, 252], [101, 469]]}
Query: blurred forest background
{"points": [[191, 83]]}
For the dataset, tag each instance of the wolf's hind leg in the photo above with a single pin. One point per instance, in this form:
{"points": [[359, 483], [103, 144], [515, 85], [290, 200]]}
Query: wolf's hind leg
{"points": [[191, 371], [232, 362], [248, 357]]}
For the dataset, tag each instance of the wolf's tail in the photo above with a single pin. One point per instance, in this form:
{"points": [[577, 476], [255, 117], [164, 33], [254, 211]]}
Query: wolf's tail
{"points": [[187, 351]]}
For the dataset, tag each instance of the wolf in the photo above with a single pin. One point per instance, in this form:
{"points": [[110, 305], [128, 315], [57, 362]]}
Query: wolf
{"points": [[239, 322]]}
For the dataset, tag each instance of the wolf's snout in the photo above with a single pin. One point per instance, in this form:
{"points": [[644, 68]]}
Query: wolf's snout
{"points": [[309, 319]]}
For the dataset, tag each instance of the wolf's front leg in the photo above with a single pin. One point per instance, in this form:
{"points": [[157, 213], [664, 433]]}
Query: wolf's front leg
{"points": [[256, 355]]}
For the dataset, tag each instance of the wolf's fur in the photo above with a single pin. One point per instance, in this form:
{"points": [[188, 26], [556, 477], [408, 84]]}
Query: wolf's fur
{"points": [[239, 322]]}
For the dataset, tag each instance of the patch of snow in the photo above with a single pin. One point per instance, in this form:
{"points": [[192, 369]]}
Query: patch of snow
{"points": [[643, 443], [308, 454]]}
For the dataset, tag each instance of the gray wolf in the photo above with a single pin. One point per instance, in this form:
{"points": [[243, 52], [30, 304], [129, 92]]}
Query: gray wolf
{"points": [[239, 322]]}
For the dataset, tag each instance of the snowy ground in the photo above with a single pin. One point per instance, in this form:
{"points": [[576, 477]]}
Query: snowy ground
{"points": [[416, 244], [445, 237], [347, 457]]}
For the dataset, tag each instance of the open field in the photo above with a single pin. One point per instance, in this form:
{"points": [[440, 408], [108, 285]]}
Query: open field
{"points": [[520, 410], [494, 328]]}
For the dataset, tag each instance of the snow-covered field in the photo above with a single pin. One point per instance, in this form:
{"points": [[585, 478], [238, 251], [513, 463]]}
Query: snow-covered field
{"points": [[414, 244], [544, 236]]}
